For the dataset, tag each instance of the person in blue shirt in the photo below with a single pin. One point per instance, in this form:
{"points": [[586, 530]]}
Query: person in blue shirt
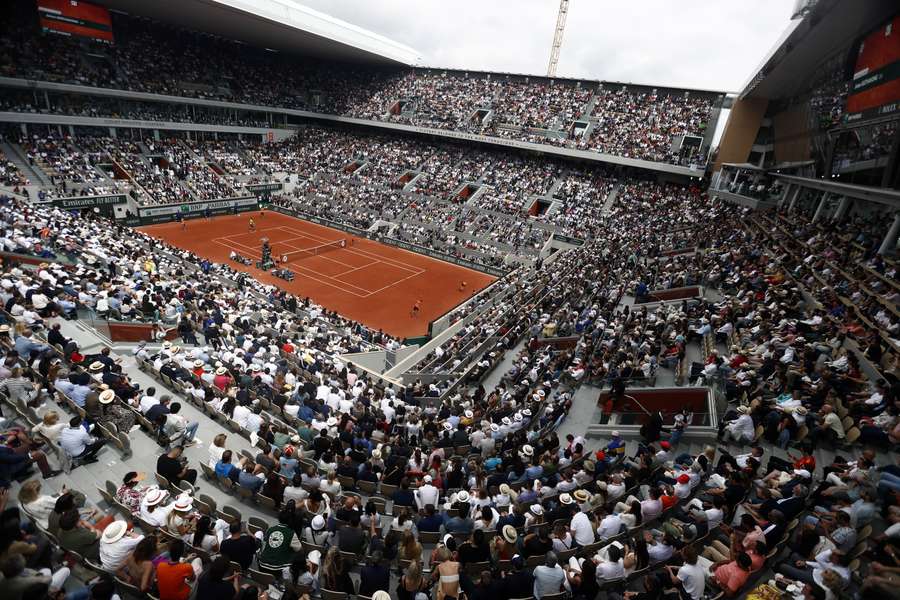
{"points": [[224, 466], [431, 521], [25, 345], [246, 479], [460, 523], [288, 464], [78, 394]]}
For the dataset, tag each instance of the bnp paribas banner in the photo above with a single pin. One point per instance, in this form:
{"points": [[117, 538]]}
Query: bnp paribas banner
{"points": [[188, 210]]}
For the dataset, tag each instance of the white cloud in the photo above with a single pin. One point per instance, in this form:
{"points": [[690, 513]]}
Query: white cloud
{"points": [[713, 44]]}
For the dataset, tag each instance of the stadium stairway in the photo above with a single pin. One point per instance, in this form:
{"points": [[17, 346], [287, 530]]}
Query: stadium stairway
{"points": [[610, 199], [87, 478], [34, 174]]}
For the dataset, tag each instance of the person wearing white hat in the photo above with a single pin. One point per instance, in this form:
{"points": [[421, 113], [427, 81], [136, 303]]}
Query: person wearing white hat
{"points": [[741, 429], [427, 494], [152, 510], [116, 544], [315, 533], [534, 515]]}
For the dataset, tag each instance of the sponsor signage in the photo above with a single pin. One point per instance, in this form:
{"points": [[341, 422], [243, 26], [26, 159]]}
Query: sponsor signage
{"points": [[89, 201], [873, 113], [164, 214], [568, 240], [262, 188]]}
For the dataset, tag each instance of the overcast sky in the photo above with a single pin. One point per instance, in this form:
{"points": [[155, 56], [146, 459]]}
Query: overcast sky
{"points": [[713, 44]]}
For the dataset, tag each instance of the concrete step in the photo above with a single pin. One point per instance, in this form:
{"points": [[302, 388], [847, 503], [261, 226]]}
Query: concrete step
{"points": [[15, 153]]}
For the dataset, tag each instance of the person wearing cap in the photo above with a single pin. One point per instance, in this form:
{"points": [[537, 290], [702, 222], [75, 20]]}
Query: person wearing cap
{"points": [[116, 544], [616, 446], [682, 488], [315, 533], [427, 493]]}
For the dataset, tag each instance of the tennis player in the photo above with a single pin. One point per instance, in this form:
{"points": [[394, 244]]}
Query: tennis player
{"points": [[252, 226], [415, 309]]}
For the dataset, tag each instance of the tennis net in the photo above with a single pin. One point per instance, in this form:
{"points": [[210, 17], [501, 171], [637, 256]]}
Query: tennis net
{"points": [[314, 251]]}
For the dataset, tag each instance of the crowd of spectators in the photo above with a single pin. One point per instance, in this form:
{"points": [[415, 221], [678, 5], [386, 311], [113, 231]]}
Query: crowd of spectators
{"points": [[521, 512], [628, 121], [643, 124]]}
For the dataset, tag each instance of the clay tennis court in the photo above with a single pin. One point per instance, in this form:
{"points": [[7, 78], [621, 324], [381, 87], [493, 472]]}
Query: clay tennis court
{"points": [[373, 283]]}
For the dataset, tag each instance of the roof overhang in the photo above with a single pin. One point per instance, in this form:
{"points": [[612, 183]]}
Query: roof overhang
{"points": [[829, 26], [280, 25]]}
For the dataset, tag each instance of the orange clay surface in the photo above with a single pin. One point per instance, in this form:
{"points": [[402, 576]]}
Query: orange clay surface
{"points": [[367, 281]]}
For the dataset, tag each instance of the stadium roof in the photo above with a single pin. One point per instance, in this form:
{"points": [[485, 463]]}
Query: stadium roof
{"points": [[827, 26], [280, 25]]}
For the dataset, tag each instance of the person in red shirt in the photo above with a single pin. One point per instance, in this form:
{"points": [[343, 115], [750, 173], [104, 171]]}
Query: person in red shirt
{"points": [[668, 499], [222, 379], [172, 575], [198, 368], [731, 576], [287, 347]]}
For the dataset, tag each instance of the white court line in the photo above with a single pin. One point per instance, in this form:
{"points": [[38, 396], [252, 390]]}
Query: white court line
{"points": [[307, 275], [357, 269], [306, 270], [396, 282], [343, 264], [233, 249], [366, 253], [251, 248]]}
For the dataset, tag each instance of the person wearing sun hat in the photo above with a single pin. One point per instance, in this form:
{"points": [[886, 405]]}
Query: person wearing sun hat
{"points": [[222, 379], [152, 509], [115, 413], [740, 429], [534, 515], [116, 544], [504, 546]]}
